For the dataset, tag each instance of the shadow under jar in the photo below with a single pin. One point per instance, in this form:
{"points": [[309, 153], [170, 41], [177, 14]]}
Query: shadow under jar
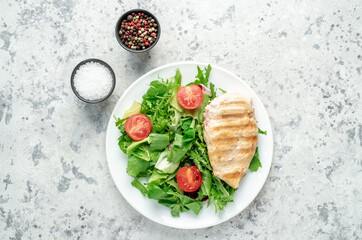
{"points": [[138, 30]]}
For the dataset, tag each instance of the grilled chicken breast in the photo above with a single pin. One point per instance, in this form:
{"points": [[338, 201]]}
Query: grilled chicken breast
{"points": [[231, 136]]}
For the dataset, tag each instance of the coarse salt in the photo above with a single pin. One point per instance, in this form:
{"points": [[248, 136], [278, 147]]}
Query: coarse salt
{"points": [[93, 81]]}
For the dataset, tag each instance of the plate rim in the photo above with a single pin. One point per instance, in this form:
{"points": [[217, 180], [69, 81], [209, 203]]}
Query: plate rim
{"points": [[141, 78]]}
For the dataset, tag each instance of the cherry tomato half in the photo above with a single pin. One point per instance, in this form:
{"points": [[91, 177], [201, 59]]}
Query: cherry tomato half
{"points": [[189, 178], [138, 127], [190, 97]]}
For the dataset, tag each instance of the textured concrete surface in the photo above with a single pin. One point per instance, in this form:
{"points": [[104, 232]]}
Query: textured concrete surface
{"points": [[303, 58]]}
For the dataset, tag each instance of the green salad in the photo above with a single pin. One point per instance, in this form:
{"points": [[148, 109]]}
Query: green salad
{"points": [[174, 140]]}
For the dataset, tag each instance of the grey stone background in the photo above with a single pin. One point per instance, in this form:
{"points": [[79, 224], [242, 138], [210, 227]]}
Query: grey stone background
{"points": [[303, 58]]}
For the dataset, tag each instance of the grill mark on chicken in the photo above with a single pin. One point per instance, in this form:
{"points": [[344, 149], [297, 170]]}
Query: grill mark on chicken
{"points": [[233, 110], [239, 153], [232, 123], [240, 132], [231, 116], [233, 140], [232, 144]]}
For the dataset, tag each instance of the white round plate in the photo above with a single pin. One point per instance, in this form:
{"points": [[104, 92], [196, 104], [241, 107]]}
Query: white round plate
{"points": [[249, 186]]}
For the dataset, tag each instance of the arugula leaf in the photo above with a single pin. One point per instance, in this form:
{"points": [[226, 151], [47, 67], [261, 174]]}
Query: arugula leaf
{"points": [[160, 125], [124, 140], [184, 208], [175, 185], [173, 91], [200, 132], [206, 183], [175, 211], [196, 159], [191, 204], [220, 202], [137, 166], [156, 193], [185, 199], [199, 160], [262, 132], [137, 184], [168, 202], [195, 206], [178, 77], [156, 89], [120, 123], [255, 162], [220, 186], [222, 90], [207, 73], [221, 194], [213, 92], [202, 76]]}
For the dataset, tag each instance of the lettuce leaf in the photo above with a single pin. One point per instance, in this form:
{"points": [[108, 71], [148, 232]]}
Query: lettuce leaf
{"points": [[156, 178], [156, 141], [255, 163], [164, 165], [136, 166]]}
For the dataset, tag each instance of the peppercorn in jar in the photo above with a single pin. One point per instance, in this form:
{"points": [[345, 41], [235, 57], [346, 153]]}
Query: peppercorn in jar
{"points": [[138, 31]]}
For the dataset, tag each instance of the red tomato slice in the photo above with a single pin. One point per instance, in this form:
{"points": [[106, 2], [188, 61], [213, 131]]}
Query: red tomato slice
{"points": [[138, 127], [190, 97], [189, 178]]}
